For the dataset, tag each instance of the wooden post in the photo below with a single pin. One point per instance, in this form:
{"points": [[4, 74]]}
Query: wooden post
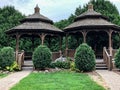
{"points": [[119, 39], [49, 41], [17, 46], [84, 36], [42, 36], [110, 64], [66, 39], [60, 37], [33, 43], [110, 41]]}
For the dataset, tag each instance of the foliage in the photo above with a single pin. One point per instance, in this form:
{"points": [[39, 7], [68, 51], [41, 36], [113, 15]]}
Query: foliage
{"points": [[62, 80], [61, 64], [7, 57], [84, 58], [13, 67], [9, 17], [41, 57], [117, 59], [72, 66], [116, 39]]}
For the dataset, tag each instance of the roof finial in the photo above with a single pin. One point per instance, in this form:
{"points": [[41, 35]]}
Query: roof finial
{"points": [[37, 9], [90, 7]]}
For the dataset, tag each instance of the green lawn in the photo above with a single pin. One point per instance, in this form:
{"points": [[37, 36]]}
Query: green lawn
{"points": [[2, 75], [63, 80]]}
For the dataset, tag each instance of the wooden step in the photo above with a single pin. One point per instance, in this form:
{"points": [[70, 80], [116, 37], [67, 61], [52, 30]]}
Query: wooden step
{"points": [[101, 68], [27, 68], [101, 65], [28, 63]]}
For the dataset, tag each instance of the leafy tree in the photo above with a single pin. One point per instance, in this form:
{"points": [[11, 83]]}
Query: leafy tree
{"points": [[9, 17]]}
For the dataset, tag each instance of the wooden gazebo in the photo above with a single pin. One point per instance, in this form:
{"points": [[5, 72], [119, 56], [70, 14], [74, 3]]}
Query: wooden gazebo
{"points": [[35, 25], [91, 21]]}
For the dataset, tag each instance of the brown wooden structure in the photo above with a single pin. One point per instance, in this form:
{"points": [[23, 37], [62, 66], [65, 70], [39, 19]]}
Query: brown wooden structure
{"points": [[35, 25], [91, 21]]}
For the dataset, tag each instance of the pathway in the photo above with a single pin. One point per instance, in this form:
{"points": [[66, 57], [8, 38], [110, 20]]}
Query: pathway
{"points": [[7, 82], [111, 78]]}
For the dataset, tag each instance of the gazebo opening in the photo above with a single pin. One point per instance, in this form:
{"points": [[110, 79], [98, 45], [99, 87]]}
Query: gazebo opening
{"points": [[97, 42]]}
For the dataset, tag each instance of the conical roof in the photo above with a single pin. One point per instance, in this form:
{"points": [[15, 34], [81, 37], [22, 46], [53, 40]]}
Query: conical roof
{"points": [[35, 23], [36, 17], [91, 20]]}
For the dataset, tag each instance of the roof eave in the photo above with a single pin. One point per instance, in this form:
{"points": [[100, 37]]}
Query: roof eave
{"points": [[105, 27]]}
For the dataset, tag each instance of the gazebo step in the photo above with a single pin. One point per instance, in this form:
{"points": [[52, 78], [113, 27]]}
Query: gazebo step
{"points": [[27, 68], [101, 68], [101, 65], [28, 63]]}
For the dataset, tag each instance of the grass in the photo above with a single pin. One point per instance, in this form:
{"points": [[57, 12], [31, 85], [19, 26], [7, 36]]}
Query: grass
{"points": [[63, 80], [2, 75]]}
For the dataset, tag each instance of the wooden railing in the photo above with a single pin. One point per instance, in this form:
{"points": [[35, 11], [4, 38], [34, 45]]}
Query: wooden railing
{"points": [[20, 59], [70, 53], [107, 59], [55, 55]]}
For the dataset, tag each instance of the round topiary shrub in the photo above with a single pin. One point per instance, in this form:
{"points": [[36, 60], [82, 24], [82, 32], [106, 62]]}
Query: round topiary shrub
{"points": [[117, 59], [84, 58], [41, 57], [7, 57]]}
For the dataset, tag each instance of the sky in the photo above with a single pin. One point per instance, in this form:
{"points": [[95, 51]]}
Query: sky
{"points": [[55, 10]]}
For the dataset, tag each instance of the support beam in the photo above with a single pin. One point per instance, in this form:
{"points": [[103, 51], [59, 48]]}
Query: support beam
{"points": [[42, 36], [49, 41], [17, 45], [84, 36], [32, 43], [66, 39], [110, 41], [17, 42], [60, 37]]}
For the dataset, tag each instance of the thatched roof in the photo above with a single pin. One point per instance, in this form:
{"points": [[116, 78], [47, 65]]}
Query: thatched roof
{"points": [[35, 23], [91, 20]]}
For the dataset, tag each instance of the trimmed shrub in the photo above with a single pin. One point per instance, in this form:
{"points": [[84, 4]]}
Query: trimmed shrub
{"points": [[117, 59], [41, 57], [84, 58], [60, 64], [7, 57]]}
